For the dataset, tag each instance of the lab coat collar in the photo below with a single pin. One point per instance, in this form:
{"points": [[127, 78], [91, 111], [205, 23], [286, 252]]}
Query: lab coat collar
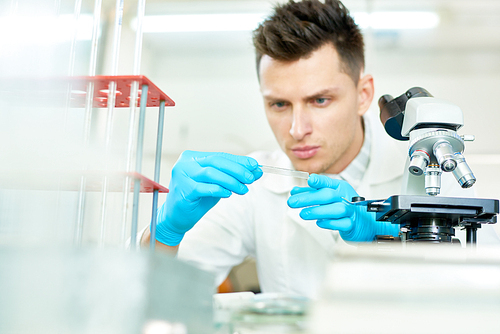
{"points": [[384, 167]]}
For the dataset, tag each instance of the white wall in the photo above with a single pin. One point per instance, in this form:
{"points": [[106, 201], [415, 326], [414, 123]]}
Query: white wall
{"points": [[211, 76]]}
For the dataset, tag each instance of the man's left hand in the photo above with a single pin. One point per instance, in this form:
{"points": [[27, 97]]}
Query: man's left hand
{"points": [[323, 201]]}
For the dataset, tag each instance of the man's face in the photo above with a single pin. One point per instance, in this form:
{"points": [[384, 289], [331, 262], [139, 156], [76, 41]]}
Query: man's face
{"points": [[314, 109]]}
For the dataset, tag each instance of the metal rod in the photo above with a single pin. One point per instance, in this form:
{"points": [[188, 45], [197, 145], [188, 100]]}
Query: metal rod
{"points": [[135, 213], [110, 114], [114, 71], [95, 37], [138, 164], [116, 36], [130, 152], [88, 118], [104, 198], [109, 130], [126, 188], [71, 67], [72, 54], [152, 240], [141, 8], [80, 212], [140, 133], [159, 141], [471, 236], [83, 181]]}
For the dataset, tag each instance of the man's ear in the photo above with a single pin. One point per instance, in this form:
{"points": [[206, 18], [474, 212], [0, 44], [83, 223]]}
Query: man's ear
{"points": [[366, 90]]}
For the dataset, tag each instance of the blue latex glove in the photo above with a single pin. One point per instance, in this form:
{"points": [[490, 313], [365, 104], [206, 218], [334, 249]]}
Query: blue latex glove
{"points": [[322, 201], [199, 180]]}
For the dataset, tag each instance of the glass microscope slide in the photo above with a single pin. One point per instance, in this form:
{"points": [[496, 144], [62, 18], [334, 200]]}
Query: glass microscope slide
{"points": [[284, 171]]}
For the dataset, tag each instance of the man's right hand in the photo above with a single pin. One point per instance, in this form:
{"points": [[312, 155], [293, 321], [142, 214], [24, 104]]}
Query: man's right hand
{"points": [[199, 180]]}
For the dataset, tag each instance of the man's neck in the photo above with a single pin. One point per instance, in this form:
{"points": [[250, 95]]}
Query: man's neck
{"points": [[351, 153]]}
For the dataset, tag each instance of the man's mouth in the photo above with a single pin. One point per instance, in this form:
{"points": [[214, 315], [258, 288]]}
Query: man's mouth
{"points": [[305, 152]]}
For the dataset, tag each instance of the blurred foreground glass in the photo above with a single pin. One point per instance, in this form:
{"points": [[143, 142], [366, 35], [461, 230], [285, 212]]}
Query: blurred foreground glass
{"points": [[269, 314]]}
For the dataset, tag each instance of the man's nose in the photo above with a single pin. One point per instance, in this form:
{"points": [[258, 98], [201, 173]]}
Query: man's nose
{"points": [[301, 123]]}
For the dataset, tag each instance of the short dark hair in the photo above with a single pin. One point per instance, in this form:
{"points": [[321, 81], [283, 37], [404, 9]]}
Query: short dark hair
{"points": [[296, 29]]}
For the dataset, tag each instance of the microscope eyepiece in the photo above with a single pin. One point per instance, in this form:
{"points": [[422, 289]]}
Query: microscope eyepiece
{"points": [[383, 100]]}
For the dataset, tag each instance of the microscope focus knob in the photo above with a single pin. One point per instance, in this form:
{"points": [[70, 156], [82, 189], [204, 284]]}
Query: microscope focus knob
{"points": [[468, 137]]}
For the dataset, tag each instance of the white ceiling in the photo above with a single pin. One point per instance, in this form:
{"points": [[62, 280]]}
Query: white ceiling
{"points": [[463, 24]]}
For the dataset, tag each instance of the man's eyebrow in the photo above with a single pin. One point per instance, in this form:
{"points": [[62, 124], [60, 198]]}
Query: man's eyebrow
{"points": [[272, 98], [322, 92], [326, 91]]}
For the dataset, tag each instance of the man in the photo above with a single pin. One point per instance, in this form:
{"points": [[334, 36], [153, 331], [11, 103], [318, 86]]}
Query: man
{"points": [[310, 65]]}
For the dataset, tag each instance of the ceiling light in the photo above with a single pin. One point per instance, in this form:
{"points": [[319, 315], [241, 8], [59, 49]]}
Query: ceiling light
{"points": [[250, 21], [200, 22], [397, 20]]}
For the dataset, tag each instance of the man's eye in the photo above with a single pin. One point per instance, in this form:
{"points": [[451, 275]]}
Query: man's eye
{"points": [[321, 100], [279, 105]]}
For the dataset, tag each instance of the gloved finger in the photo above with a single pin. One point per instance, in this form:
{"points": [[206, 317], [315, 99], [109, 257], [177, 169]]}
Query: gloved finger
{"points": [[228, 166], [298, 190], [330, 211], [257, 173], [206, 190], [248, 162], [343, 224], [210, 175], [314, 197], [321, 181]]}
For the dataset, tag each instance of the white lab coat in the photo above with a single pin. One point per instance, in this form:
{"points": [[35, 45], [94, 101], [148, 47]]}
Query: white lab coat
{"points": [[291, 253]]}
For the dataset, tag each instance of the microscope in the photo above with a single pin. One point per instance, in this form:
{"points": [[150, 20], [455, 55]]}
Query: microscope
{"points": [[430, 126]]}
